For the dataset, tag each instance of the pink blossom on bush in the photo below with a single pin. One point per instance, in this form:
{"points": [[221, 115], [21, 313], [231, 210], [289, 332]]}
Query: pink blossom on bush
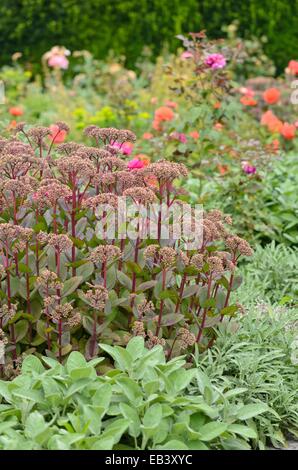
{"points": [[194, 134], [125, 148], [215, 61], [179, 136], [57, 57], [186, 55], [57, 135], [58, 62], [136, 164], [247, 91]]}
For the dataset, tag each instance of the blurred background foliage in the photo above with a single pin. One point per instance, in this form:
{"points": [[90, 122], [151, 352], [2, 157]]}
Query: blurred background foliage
{"points": [[126, 26]]}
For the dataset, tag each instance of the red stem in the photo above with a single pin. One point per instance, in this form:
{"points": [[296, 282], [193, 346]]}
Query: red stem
{"points": [[94, 335], [59, 300], [164, 273], [205, 311], [73, 228]]}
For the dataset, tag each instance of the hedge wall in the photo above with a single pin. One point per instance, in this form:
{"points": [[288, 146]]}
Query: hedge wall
{"points": [[33, 26]]}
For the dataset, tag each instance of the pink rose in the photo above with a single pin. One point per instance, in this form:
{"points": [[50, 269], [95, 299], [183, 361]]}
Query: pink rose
{"points": [[57, 135], [186, 55], [135, 164], [215, 61], [58, 61], [125, 147]]}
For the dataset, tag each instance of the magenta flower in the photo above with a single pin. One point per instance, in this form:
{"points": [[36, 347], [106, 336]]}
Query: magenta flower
{"points": [[215, 61], [248, 169], [136, 164], [125, 148]]}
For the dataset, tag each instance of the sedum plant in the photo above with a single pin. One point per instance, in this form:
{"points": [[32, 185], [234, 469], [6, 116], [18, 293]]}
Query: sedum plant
{"points": [[68, 282], [141, 404]]}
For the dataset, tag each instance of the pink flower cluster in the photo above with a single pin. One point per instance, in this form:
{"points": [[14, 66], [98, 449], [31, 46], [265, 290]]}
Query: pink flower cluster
{"points": [[215, 61], [57, 58], [125, 147]]}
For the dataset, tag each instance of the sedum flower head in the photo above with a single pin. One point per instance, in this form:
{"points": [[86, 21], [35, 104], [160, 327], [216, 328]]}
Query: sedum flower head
{"points": [[104, 253], [97, 297]]}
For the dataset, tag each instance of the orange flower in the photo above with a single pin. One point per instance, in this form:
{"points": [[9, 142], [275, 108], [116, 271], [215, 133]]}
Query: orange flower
{"points": [[12, 124], [267, 117], [217, 105], [275, 125], [58, 136], [273, 146], [144, 158], [15, 111], [271, 96], [248, 101], [151, 180], [223, 169], [218, 126], [164, 113], [156, 125], [271, 121], [288, 131], [147, 136], [194, 134], [293, 67]]}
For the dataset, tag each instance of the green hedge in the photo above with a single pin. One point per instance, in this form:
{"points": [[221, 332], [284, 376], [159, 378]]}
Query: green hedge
{"points": [[33, 26]]}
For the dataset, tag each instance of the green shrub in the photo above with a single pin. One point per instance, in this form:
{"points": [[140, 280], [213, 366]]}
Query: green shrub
{"points": [[270, 200], [143, 403], [33, 26], [271, 276], [260, 354], [126, 26], [72, 271]]}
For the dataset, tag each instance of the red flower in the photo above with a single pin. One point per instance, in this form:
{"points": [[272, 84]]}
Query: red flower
{"points": [[271, 96], [15, 111], [288, 131], [164, 113], [293, 67], [147, 136], [272, 122], [12, 124], [194, 134], [223, 169], [248, 101], [57, 135]]}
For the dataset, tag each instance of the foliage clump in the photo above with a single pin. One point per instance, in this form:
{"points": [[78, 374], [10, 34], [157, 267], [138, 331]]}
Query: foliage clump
{"points": [[67, 281]]}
